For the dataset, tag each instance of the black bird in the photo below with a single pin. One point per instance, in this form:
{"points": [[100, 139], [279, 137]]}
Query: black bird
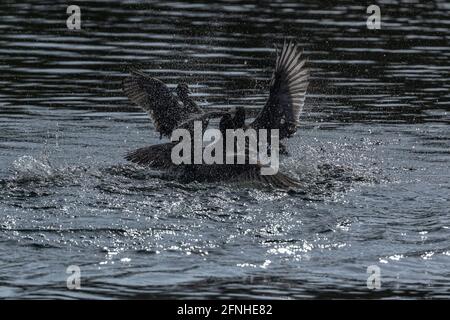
{"points": [[239, 118], [226, 122], [183, 93], [287, 94]]}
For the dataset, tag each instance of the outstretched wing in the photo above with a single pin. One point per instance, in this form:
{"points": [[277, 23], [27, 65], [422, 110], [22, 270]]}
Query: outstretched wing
{"points": [[287, 93], [156, 99]]}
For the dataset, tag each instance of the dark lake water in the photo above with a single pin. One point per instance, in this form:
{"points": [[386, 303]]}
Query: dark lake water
{"points": [[372, 152]]}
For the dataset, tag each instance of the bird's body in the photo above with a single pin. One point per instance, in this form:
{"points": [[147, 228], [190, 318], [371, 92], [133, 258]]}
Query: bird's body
{"points": [[169, 112]]}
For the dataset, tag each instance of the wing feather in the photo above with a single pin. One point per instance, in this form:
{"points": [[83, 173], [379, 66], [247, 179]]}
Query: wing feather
{"points": [[153, 96], [287, 94]]}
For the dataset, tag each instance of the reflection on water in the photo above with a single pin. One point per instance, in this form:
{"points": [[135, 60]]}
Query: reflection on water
{"points": [[372, 152]]}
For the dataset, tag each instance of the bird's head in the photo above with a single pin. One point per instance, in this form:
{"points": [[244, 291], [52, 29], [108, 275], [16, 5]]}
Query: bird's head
{"points": [[239, 117], [226, 122], [182, 89]]}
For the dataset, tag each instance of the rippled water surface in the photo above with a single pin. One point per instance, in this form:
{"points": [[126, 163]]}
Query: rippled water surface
{"points": [[372, 152]]}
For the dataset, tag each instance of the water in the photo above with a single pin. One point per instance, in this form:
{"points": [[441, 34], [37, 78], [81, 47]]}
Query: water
{"points": [[372, 153]]}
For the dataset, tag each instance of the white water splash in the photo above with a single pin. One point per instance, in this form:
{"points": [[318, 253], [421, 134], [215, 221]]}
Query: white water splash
{"points": [[27, 167]]}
